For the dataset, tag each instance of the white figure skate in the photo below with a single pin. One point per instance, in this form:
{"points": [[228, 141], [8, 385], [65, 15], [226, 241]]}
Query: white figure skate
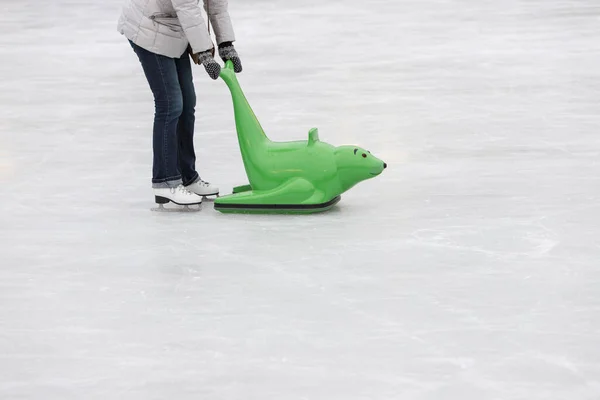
{"points": [[203, 188], [180, 196]]}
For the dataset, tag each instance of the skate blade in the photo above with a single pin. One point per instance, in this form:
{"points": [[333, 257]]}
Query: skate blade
{"points": [[210, 197], [171, 207]]}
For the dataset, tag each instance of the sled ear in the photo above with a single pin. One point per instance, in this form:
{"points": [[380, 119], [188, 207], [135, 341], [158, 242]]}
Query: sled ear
{"points": [[229, 64], [313, 136]]}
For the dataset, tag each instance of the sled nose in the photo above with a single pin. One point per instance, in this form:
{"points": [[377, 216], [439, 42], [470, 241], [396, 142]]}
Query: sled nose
{"points": [[384, 165]]}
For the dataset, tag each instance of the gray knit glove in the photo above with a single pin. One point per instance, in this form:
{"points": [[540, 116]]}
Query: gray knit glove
{"points": [[227, 52], [210, 65]]}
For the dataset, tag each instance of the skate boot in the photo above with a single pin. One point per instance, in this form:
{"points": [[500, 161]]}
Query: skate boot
{"points": [[203, 188], [179, 195]]}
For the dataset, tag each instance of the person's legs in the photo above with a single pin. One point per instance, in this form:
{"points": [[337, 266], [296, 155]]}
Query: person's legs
{"points": [[185, 132], [185, 127], [161, 73]]}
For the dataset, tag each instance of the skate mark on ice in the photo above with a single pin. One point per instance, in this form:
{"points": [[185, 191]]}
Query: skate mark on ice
{"points": [[536, 242]]}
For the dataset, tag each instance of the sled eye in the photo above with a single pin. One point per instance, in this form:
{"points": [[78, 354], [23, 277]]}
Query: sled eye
{"points": [[355, 150], [364, 155]]}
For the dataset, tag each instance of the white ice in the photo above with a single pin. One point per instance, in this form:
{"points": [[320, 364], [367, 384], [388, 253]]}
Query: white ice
{"points": [[469, 270]]}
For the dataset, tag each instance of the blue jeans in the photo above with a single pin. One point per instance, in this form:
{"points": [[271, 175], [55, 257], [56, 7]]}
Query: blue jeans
{"points": [[170, 80]]}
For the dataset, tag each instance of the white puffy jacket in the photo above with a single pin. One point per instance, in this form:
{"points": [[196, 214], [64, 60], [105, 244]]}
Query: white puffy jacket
{"points": [[167, 26]]}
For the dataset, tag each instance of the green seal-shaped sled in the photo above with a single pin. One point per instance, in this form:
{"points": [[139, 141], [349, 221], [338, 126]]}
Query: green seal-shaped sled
{"points": [[290, 177]]}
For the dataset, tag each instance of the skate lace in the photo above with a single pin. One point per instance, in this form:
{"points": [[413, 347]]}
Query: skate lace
{"points": [[181, 189], [204, 183]]}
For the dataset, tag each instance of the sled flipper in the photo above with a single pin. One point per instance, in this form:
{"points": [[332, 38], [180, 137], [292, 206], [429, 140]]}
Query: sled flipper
{"points": [[295, 196]]}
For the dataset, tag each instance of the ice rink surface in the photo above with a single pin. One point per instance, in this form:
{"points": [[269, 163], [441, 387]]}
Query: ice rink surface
{"points": [[469, 270]]}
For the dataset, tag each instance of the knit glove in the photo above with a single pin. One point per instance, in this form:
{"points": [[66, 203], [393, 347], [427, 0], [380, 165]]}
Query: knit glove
{"points": [[210, 65], [227, 52], [194, 56]]}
